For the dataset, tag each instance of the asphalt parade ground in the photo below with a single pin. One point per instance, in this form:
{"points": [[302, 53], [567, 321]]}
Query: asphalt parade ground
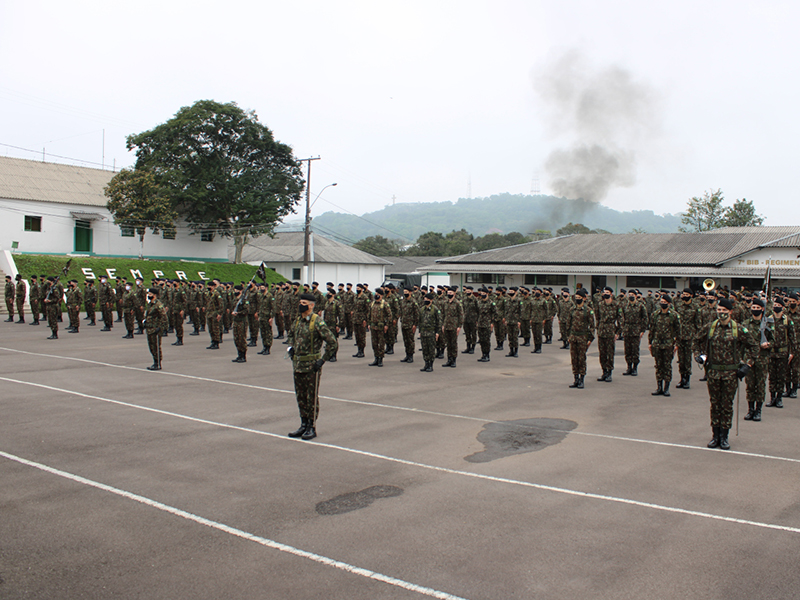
{"points": [[487, 481]]}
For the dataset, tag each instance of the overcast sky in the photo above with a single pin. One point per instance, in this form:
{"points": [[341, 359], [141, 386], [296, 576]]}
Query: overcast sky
{"points": [[427, 101]]}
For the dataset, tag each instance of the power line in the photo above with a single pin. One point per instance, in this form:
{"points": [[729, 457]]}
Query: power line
{"points": [[80, 160]]}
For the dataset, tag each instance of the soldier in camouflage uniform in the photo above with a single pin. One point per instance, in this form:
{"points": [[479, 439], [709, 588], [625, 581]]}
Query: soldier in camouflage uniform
{"points": [[394, 305], [179, 307], [333, 316], [34, 299], [156, 322], [499, 326], [729, 350], [665, 330], [452, 320], [117, 297], [762, 330], [781, 354], [74, 301], [690, 325], [379, 317], [266, 313], [634, 324], [525, 312], [253, 299], [20, 292], [105, 296], [306, 335], [551, 309], [213, 313], [794, 366], [360, 316], [470, 305], [348, 304], [11, 291], [486, 316], [240, 313], [708, 314], [565, 304], [52, 306], [90, 301], [511, 319], [409, 320], [430, 327], [128, 311], [578, 326], [538, 317], [609, 328], [439, 302]]}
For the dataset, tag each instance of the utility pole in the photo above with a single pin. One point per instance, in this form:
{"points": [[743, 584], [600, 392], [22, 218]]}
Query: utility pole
{"points": [[307, 227]]}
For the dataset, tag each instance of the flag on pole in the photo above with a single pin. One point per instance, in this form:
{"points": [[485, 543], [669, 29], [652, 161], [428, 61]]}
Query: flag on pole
{"points": [[262, 272]]}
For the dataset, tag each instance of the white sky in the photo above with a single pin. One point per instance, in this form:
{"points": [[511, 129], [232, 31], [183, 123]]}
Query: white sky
{"points": [[416, 98]]}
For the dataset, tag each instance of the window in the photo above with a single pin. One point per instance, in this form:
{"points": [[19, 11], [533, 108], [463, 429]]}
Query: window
{"points": [[296, 274], [642, 281], [168, 234], [493, 278], [33, 223], [207, 236], [126, 231], [546, 279]]}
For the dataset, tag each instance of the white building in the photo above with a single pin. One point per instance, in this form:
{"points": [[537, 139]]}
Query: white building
{"points": [[48, 208], [329, 260]]}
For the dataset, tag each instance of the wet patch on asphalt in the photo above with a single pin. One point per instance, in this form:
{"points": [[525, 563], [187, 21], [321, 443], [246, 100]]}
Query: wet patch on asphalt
{"points": [[355, 500], [518, 437]]}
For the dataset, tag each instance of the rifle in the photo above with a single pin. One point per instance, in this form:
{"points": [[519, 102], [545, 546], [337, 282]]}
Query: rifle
{"points": [[261, 273], [64, 272]]}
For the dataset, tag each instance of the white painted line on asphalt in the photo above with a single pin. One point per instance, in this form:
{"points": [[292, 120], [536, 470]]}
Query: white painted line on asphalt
{"points": [[415, 410], [402, 461], [413, 587]]}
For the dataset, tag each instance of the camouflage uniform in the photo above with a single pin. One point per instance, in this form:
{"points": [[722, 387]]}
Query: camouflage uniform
{"points": [[34, 299], [430, 325], [452, 319], [105, 295], [213, 312], [409, 320], [266, 312], [499, 326], [634, 324], [52, 307], [665, 329], [391, 333], [74, 301], [525, 312], [348, 304], [470, 305], [579, 327], [609, 327], [10, 296], [690, 325], [240, 313], [511, 319], [90, 302], [155, 320], [757, 377], [360, 315], [179, 307], [253, 301], [794, 366], [538, 317], [128, 311], [783, 346], [564, 307], [551, 310], [306, 336], [379, 317], [21, 292], [487, 311]]}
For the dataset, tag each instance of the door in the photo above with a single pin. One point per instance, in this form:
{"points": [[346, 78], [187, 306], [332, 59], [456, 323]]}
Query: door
{"points": [[83, 236], [598, 283]]}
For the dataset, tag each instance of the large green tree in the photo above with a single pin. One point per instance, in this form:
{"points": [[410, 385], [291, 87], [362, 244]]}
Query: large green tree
{"points": [[377, 245], [704, 214], [222, 169], [137, 203], [742, 214]]}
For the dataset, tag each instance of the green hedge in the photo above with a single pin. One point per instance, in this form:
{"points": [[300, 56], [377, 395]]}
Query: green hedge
{"points": [[39, 264]]}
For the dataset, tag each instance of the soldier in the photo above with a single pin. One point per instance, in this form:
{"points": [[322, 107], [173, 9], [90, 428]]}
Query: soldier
{"points": [[729, 351], [74, 301], [781, 353], [538, 317], [762, 330], [452, 320], [266, 312], [34, 299], [240, 313], [578, 327], [333, 317], [105, 295], [609, 329], [90, 301], [348, 300], [525, 314], [511, 320], [360, 315], [178, 311], [665, 329], [499, 326], [634, 324], [319, 304], [394, 305], [409, 320], [129, 310], [486, 316], [306, 336], [379, 316], [794, 367], [155, 319], [118, 298], [690, 325], [141, 300], [470, 304], [52, 305], [550, 311], [10, 296], [253, 298], [565, 304], [21, 291], [213, 312], [430, 327]]}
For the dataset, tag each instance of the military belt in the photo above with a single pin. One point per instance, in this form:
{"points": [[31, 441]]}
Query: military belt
{"points": [[581, 333], [724, 367], [308, 357]]}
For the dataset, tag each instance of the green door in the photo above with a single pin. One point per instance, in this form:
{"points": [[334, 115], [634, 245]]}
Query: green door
{"points": [[83, 236]]}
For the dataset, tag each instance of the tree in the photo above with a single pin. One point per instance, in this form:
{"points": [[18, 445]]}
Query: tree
{"points": [[704, 214], [571, 228], [742, 214], [222, 169], [378, 245], [431, 243], [136, 203], [458, 242]]}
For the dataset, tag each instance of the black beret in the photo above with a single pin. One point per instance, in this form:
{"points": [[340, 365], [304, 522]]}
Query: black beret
{"points": [[430, 296], [608, 289], [308, 297], [153, 291], [759, 302], [726, 303], [582, 292], [565, 290]]}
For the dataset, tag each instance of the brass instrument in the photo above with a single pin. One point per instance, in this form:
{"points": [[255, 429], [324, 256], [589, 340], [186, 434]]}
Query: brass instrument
{"points": [[709, 284]]}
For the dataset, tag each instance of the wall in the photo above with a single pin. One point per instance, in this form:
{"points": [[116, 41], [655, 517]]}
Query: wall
{"points": [[335, 272]]}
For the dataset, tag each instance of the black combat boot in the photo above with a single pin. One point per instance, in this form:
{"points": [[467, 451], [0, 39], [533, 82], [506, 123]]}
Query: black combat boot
{"points": [[564, 345], [179, 342], [448, 363], [499, 346], [359, 354], [608, 377], [549, 339], [389, 349], [10, 319], [310, 433], [526, 342], [280, 337], [666, 389], [778, 400], [537, 349], [410, 358], [54, 336], [660, 390], [792, 392], [213, 346], [723, 439], [453, 362], [405, 360], [772, 399], [239, 359], [265, 351], [580, 381], [106, 328], [714, 440], [757, 413], [36, 322], [680, 384], [380, 361], [375, 363], [704, 377], [428, 367], [630, 368], [22, 319], [252, 343], [440, 353], [484, 358], [635, 370], [603, 376], [301, 430], [154, 367], [574, 384], [686, 383], [751, 406], [129, 336], [471, 349], [195, 332]]}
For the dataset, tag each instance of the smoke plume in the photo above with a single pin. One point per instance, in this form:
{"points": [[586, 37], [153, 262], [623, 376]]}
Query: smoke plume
{"points": [[604, 115]]}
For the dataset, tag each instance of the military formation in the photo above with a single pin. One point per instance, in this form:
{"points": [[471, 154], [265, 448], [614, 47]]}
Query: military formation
{"points": [[730, 336]]}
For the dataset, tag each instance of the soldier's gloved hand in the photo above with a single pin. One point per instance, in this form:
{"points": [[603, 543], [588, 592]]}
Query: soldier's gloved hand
{"points": [[700, 359], [742, 371], [317, 365], [290, 352]]}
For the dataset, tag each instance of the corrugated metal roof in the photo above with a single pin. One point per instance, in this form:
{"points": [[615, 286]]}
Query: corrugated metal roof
{"points": [[789, 241], [22, 179], [630, 249], [408, 264], [611, 270], [288, 247]]}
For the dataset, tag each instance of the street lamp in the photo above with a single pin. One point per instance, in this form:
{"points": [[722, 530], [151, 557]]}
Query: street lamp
{"points": [[307, 231]]}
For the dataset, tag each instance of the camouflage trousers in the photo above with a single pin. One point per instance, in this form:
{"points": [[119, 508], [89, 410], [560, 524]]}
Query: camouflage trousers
{"points": [[794, 371], [108, 315], [757, 380], [240, 335], [279, 323], [525, 330], [428, 345], [90, 311], [214, 328], [471, 333], [512, 331], [578, 344], [21, 308], [348, 323], [499, 332], [127, 315], [53, 311], [35, 309], [154, 343], [177, 320], [378, 338], [485, 339], [663, 360], [440, 343], [451, 341], [606, 347], [721, 393], [685, 357], [536, 333], [408, 341], [74, 312], [361, 335], [118, 307], [266, 332], [227, 320], [632, 344], [10, 307], [252, 326], [778, 372], [391, 334], [139, 312], [305, 389], [548, 327]]}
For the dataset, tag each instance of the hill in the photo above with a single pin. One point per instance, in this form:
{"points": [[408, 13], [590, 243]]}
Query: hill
{"points": [[502, 213]]}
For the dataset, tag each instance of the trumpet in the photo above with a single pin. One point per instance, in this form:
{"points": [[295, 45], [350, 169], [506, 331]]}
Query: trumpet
{"points": [[709, 284]]}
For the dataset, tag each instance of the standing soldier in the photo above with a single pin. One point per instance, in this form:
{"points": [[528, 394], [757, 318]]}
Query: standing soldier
{"points": [[690, 326], [634, 324], [409, 320], [511, 320], [486, 316], [538, 317], [129, 310], [306, 336], [794, 366], [333, 317], [550, 312], [665, 330], [10, 296], [105, 296], [394, 306], [141, 300], [349, 303], [525, 314], [762, 330], [155, 319], [320, 302], [782, 353], [708, 314], [360, 316], [565, 304], [430, 327], [266, 312], [579, 326], [21, 292], [729, 351], [52, 304], [90, 301], [34, 299], [240, 312], [609, 329], [379, 316], [74, 301], [499, 326], [118, 298], [178, 311], [452, 319], [213, 312], [253, 299], [470, 304]]}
